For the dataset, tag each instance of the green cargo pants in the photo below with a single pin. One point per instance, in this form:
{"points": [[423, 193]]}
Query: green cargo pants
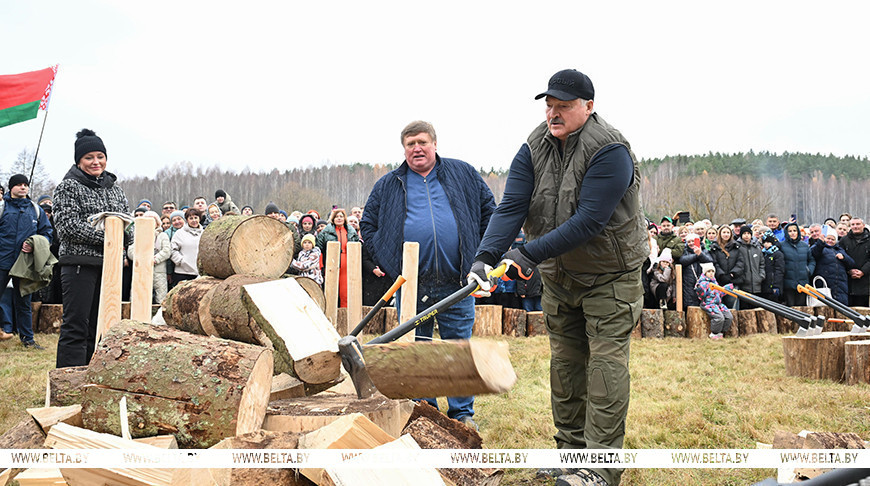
{"points": [[590, 328]]}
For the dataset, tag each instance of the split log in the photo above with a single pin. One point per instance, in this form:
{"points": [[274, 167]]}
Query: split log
{"points": [[430, 435], [229, 314], [440, 368], [252, 245], [487, 320], [468, 437], [765, 321], [260, 440], [857, 362], [198, 388], [159, 441], [391, 318], [186, 306], [38, 476], [747, 322], [63, 436], [365, 476], [50, 318], [313, 290], [513, 322], [536, 325], [376, 324], [817, 440], [27, 434], [47, 417], [306, 344], [331, 275], [652, 323], [65, 385], [409, 292], [305, 414], [353, 431], [819, 357], [286, 386], [675, 323], [697, 323]]}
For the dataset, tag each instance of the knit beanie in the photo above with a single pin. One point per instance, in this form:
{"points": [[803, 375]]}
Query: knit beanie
{"points": [[176, 213], [219, 193], [271, 208], [308, 237], [320, 222], [144, 201], [87, 141], [666, 256], [745, 229], [43, 198], [247, 207], [308, 216], [706, 267], [769, 237], [18, 179]]}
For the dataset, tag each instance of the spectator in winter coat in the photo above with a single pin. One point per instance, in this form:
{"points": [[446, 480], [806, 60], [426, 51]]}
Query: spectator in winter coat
{"points": [[307, 263], [856, 243], [710, 236], [749, 270], [668, 239], [832, 263], [711, 301], [224, 202], [774, 268], [773, 225], [201, 206], [799, 265], [693, 257], [842, 230], [185, 248], [815, 234], [338, 230], [247, 211], [663, 282]]}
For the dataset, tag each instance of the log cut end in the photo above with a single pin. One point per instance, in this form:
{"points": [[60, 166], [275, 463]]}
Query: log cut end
{"points": [[255, 397], [493, 363]]}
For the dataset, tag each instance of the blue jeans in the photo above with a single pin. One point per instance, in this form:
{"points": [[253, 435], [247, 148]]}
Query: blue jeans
{"points": [[455, 322], [21, 308]]}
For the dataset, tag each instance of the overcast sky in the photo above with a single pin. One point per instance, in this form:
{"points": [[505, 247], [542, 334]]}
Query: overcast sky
{"points": [[295, 84]]}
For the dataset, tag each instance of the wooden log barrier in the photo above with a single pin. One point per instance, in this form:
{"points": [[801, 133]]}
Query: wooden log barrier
{"points": [[697, 323], [674, 323], [819, 357], [535, 324], [765, 321], [857, 362], [785, 325], [734, 331], [34, 316], [513, 322], [652, 323], [252, 245], [391, 318], [487, 320], [50, 318], [747, 322], [197, 388], [376, 324]]}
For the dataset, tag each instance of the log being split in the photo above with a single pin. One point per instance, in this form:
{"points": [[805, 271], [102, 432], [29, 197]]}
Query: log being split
{"points": [[440, 368], [253, 245], [200, 389]]}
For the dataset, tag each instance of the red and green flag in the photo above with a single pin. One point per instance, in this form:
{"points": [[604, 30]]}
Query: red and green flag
{"points": [[23, 95]]}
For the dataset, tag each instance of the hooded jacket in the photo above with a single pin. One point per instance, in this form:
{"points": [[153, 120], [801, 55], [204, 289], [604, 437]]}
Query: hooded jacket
{"points": [[833, 269], [749, 271], [799, 263], [78, 196], [858, 247]]}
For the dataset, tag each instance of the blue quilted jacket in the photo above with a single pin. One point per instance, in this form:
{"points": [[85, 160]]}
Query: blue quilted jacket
{"points": [[383, 222]]}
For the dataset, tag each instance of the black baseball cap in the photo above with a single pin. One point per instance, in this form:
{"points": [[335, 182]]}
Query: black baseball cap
{"points": [[569, 84]]}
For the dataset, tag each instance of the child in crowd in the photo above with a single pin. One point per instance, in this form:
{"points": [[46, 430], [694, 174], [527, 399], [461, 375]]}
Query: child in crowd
{"points": [[711, 302], [663, 283], [307, 262]]}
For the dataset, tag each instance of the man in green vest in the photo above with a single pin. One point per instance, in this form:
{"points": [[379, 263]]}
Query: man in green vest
{"points": [[575, 184]]}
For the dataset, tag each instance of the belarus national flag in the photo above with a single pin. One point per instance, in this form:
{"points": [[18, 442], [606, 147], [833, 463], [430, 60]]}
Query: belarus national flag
{"points": [[22, 95]]}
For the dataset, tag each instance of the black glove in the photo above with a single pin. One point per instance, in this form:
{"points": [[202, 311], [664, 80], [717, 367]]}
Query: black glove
{"points": [[478, 275], [520, 265]]}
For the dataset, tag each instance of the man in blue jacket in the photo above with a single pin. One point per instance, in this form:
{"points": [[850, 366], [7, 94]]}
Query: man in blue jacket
{"points": [[20, 220], [444, 205]]}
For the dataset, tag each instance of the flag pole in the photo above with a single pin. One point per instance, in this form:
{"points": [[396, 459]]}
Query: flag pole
{"points": [[33, 167]]}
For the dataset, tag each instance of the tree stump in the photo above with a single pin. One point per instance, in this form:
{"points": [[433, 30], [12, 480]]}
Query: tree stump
{"points": [[252, 245], [747, 322], [513, 322], [487, 320], [535, 324], [734, 331], [34, 316], [376, 324], [65, 385], [652, 323], [765, 321], [430, 435], [675, 323], [697, 323], [186, 306], [197, 388], [857, 362], [314, 291], [819, 357], [50, 318], [125, 310], [785, 325], [864, 311], [826, 312]]}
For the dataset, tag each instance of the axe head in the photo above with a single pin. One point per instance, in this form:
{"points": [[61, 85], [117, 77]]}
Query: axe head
{"points": [[352, 358]]}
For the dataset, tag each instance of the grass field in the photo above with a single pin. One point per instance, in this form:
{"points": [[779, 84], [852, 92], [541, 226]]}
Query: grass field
{"points": [[685, 394]]}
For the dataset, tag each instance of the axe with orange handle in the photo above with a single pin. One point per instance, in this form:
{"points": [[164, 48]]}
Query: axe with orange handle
{"points": [[861, 322], [805, 321]]}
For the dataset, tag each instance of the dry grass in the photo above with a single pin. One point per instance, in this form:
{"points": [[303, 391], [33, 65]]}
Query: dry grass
{"points": [[685, 394]]}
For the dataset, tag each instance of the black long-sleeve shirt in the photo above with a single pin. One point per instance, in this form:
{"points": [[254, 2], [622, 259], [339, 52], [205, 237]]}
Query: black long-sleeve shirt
{"points": [[606, 180]]}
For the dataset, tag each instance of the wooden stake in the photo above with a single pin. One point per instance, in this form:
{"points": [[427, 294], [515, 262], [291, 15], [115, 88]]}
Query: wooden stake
{"points": [[330, 281], [354, 283], [679, 269], [113, 268], [411, 272], [143, 270]]}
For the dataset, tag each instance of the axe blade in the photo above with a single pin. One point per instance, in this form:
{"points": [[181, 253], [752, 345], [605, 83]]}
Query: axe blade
{"points": [[352, 358]]}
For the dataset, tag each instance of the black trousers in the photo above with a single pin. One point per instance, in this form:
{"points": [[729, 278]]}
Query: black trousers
{"points": [[81, 304]]}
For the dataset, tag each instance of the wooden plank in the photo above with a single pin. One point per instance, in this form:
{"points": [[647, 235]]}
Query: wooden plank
{"points": [[160, 441], [354, 284], [297, 328], [383, 476], [330, 279], [440, 368], [110, 283], [142, 288], [47, 417], [40, 477], [305, 414], [678, 269], [411, 272], [352, 431], [487, 320]]}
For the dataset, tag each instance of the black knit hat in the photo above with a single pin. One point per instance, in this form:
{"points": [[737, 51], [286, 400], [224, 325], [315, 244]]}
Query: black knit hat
{"points": [[745, 229], [271, 208], [18, 179], [87, 141], [220, 193]]}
